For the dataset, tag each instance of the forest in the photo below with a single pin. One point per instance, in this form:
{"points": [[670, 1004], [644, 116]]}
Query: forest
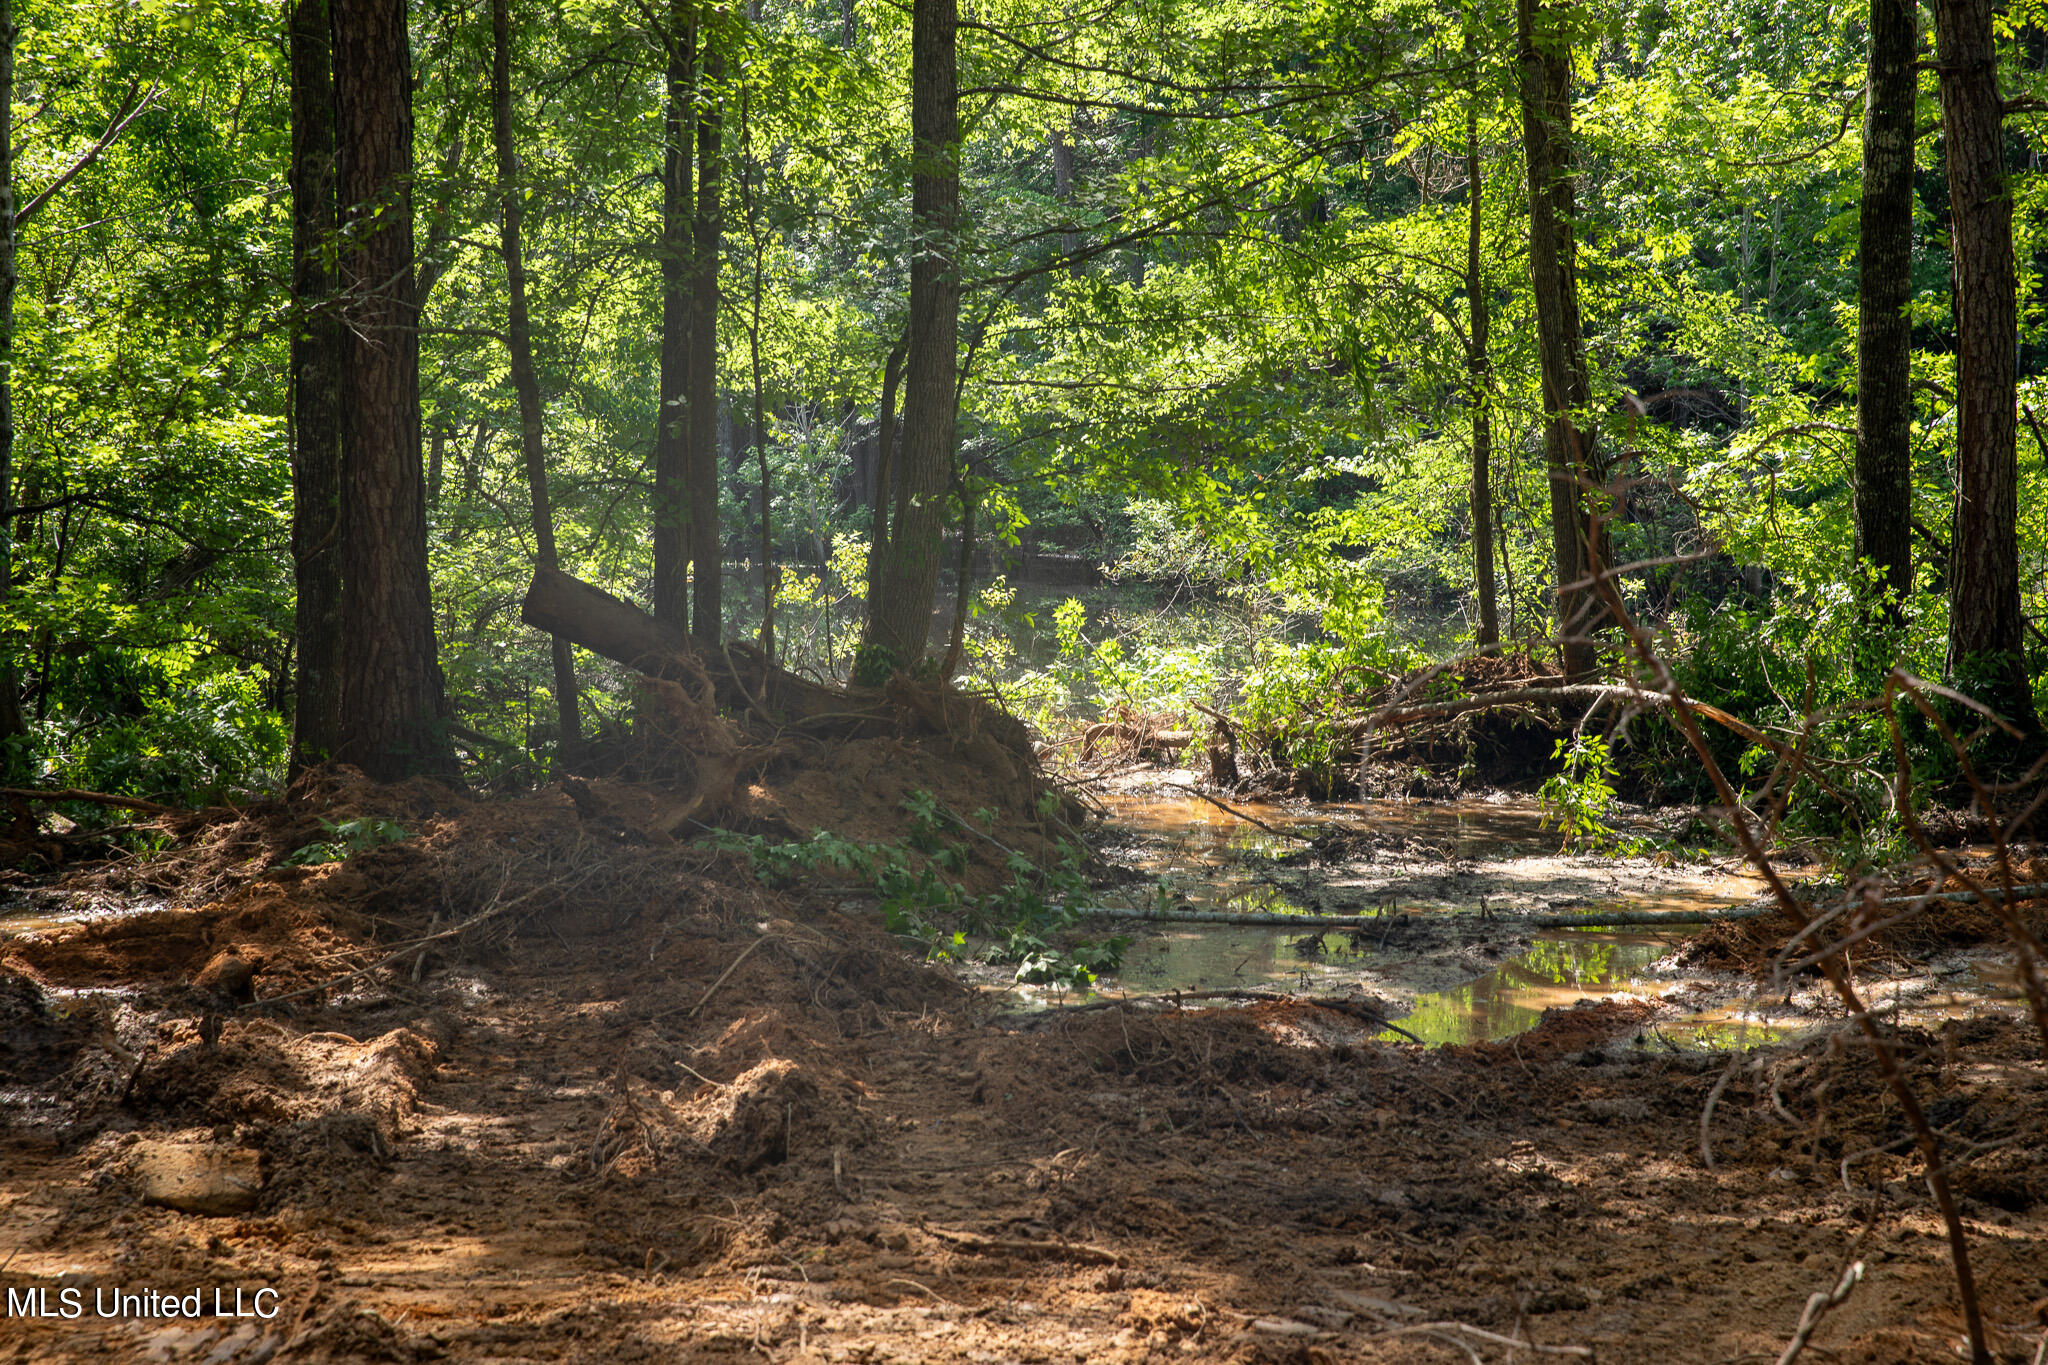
{"points": [[876, 679]]}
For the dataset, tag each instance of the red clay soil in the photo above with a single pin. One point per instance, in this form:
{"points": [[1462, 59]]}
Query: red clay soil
{"points": [[642, 1109]]}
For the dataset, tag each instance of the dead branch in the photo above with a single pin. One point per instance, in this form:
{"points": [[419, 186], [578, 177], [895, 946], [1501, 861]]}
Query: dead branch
{"points": [[1817, 1307], [2030, 949], [1248, 819], [1591, 920], [54, 795], [1013, 1246], [492, 911], [1684, 718], [1357, 1009], [744, 955], [1176, 916], [1589, 693]]}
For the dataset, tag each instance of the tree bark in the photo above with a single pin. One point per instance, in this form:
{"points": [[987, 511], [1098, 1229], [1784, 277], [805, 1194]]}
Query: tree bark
{"points": [[1063, 190], [885, 453], [963, 582], [393, 712], [905, 581], [618, 630], [1478, 367], [525, 379], [677, 252], [316, 373], [1986, 641], [604, 624], [1884, 334], [1544, 55], [701, 467], [760, 422], [14, 743]]}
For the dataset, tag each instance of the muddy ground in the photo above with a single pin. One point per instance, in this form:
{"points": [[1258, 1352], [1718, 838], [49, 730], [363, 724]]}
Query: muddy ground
{"points": [[547, 1081]]}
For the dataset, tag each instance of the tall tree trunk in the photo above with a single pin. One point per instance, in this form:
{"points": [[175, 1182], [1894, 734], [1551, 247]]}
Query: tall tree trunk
{"points": [[767, 489], [1544, 54], [672, 426], [885, 453], [701, 469], [1063, 190], [525, 381], [316, 374], [906, 579], [14, 755], [437, 459], [1986, 642], [1478, 367], [757, 254], [1884, 335], [963, 581], [393, 713]]}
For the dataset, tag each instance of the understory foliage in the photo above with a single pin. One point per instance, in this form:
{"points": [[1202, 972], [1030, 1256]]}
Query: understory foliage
{"points": [[915, 885], [1216, 265]]}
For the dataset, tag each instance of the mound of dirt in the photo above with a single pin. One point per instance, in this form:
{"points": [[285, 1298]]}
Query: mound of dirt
{"points": [[554, 1078]]}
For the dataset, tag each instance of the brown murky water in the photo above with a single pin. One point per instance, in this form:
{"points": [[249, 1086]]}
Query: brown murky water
{"points": [[1452, 859], [26, 915]]}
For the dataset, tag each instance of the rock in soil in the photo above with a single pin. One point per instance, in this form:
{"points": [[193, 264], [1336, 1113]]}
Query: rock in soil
{"points": [[203, 1179]]}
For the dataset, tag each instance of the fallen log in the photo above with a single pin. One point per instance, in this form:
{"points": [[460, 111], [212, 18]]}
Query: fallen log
{"points": [[1255, 917], [1561, 694], [1588, 693], [1173, 915], [560, 604], [1595, 919], [745, 680]]}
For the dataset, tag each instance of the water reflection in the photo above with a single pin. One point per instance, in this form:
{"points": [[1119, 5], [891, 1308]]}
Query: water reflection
{"points": [[1555, 973], [1193, 959], [1190, 831]]}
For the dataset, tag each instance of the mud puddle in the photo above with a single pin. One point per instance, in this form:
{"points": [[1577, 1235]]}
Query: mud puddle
{"points": [[40, 912], [1435, 958]]}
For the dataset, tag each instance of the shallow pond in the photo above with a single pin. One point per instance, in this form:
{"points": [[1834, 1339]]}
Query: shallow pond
{"points": [[1434, 960]]}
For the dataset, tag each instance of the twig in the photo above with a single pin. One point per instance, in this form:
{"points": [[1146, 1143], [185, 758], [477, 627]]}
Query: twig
{"points": [[1012, 1246], [1602, 580], [1334, 1004], [1707, 1111], [956, 818], [410, 946], [744, 955], [1494, 1338], [1817, 1307], [1248, 819], [1173, 916], [715, 1085]]}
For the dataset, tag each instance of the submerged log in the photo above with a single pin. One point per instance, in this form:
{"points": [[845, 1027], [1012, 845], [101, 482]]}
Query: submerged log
{"points": [[1596, 918]]}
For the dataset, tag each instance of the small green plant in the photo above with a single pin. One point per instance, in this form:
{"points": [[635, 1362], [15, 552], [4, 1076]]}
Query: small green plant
{"points": [[874, 664], [1579, 797], [919, 903], [346, 839]]}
